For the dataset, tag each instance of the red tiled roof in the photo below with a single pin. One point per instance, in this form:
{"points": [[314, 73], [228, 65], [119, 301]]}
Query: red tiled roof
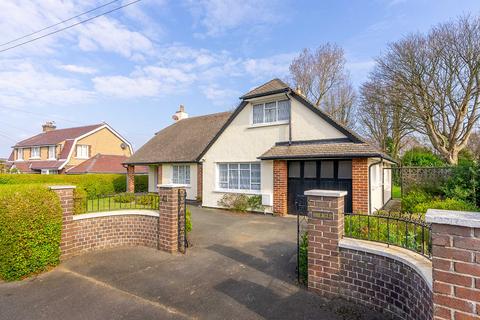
{"points": [[57, 136], [47, 164], [102, 163], [66, 149]]}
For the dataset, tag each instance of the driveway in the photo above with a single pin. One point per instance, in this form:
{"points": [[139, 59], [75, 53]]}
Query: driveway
{"points": [[241, 266]]}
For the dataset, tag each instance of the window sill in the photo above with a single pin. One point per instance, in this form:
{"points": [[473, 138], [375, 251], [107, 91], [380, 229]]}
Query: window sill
{"points": [[254, 192], [81, 158], [268, 124], [34, 158]]}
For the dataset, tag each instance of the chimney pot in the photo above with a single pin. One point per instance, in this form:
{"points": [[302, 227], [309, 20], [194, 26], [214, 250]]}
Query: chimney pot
{"points": [[49, 126], [180, 114]]}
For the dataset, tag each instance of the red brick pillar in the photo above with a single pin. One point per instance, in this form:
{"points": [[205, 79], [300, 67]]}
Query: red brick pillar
{"points": [[199, 182], [280, 185], [456, 264], [66, 196], [130, 178], [171, 202], [360, 185], [325, 229]]}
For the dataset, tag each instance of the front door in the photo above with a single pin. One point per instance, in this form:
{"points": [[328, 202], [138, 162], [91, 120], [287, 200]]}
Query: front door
{"points": [[319, 174]]}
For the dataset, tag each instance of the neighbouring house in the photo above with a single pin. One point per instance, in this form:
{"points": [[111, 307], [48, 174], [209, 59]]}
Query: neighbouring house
{"points": [[275, 144], [94, 148]]}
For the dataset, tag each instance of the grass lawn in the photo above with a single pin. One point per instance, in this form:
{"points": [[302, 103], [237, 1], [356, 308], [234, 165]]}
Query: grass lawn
{"points": [[396, 192]]}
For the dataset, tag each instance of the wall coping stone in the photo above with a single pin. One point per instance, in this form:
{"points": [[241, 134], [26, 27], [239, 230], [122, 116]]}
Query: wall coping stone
{"points": [[61, 187], [325, 193], [422, 265], [172, 185], [149, 213], [454, 218]]}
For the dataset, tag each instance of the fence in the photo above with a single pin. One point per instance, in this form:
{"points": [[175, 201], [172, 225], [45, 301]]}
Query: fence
{"points": [[403, 231], [411, 177], [120, 201]]}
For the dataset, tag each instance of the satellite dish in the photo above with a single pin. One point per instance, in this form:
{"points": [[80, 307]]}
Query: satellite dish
{"points": [[123, 145]]}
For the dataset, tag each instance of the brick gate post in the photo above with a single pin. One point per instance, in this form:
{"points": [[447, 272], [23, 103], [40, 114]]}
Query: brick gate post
{"points": [[131, 179], [66, 196], [325, 229], [168, 222], [456, 264]]}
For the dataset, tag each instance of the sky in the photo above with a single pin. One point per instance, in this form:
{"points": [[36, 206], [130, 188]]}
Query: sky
{"points": [[134, 67]]}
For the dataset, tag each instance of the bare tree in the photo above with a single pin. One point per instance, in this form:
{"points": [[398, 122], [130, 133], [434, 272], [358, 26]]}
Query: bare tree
{"points": [[321, 76], [437, 78]]}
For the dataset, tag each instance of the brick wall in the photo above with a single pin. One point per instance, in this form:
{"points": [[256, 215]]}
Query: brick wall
{"points": [[130, 178], [456, 269], [360, 185], [380, 282], [91, 231], [280, 183]]}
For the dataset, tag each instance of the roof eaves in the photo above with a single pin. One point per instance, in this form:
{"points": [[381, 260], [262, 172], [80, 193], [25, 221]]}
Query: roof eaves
{"points": [[258, 95]]}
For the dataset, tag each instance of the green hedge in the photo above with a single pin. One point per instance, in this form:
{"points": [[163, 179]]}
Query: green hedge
{"points": [[93, 184], [30, 230]]}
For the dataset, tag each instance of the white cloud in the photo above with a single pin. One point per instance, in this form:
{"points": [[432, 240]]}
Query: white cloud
{"points": [[23, 83], [78, 69], [269, 67], [220, 16], [220, 96], [127, 87]]}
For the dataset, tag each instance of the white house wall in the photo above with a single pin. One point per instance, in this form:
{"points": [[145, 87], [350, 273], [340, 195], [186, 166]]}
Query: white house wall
{"points": [[241, 142], [167, 178], [380, 184]]}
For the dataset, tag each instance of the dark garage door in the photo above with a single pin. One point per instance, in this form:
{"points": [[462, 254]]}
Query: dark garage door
{"points": [[319, 174]]}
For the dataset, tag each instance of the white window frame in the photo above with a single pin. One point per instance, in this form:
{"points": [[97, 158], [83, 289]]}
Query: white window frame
{"points": [[20, 154], [32, 156], [276, 121], [49, 171], [186, 174], [81, 155], [50, 148], [238, 190]]}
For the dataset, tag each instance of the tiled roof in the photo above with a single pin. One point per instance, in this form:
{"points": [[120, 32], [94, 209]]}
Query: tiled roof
{"points": [[67, 146], [47, 164], [183, 141], [57, 136], [103, 163], [336, 148], [272, 86]]}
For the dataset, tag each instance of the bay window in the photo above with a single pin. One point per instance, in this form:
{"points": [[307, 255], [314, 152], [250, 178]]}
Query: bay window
{"points": [[271, 112], [239, 176], [181, 174]]}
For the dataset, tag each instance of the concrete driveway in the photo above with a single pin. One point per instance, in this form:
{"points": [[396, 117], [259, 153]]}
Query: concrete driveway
{"points": [[240, 267]]}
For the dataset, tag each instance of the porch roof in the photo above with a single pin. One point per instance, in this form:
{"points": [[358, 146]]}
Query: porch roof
{"points": [[331, 148]]}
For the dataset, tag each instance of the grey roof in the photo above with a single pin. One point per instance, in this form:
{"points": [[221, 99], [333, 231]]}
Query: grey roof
{"points": [[183, 141], [328, 148], [271, 87]]}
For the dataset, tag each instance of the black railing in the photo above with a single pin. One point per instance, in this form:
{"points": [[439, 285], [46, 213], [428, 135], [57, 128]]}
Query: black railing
{"points": [[120, 201], [406, 231]]}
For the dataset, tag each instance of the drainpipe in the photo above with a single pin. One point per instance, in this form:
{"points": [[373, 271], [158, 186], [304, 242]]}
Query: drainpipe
{"points": [[370, 185]]}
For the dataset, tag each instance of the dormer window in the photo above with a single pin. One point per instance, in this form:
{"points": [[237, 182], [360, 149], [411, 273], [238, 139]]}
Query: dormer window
{"points": [[271, 112], [35, 153], [19, 154]]}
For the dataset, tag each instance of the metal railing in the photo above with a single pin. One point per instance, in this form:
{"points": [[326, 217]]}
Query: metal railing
{"points": [[405, 231], [120, 201]]}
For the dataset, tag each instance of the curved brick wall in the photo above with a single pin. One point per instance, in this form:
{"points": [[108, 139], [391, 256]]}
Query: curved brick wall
{"points": [[385, 284], [87, 232]]}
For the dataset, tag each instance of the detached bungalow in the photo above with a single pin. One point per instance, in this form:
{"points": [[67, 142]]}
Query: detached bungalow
{"points": [[275, 144]]}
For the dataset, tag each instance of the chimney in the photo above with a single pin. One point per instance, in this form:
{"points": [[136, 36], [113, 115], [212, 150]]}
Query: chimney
{"points": [[49, 126], [180, 114]]}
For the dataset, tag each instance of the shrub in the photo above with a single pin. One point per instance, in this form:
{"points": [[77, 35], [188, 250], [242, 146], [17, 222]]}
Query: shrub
{"points": [[413, 198], [240, 202], [421, 157], [303, 259], [30, 230], [464, 183], [124, 198], [447, 204]]}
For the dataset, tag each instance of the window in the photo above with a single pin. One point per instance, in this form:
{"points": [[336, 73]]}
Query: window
{"points": [[294, 169], [310, 169], [82, 151], [181, 174], [51, 152], [326, 170], [239, 176], [20, 154], [35, 153], [271, 112], [345, 169], [49, 171]]}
